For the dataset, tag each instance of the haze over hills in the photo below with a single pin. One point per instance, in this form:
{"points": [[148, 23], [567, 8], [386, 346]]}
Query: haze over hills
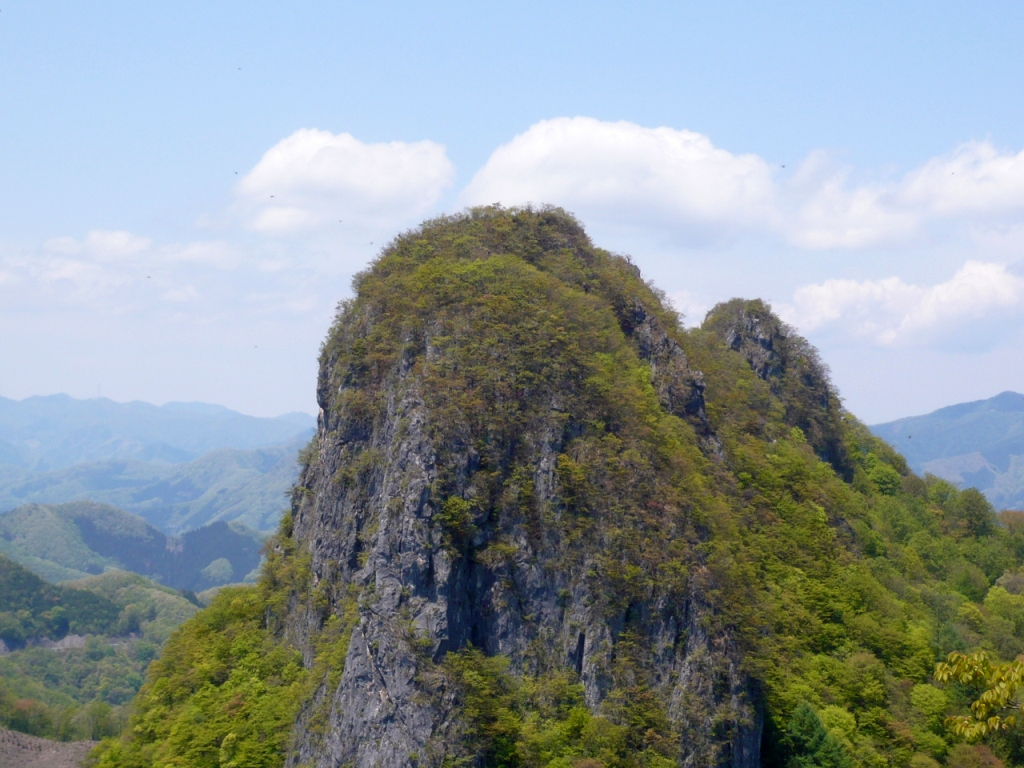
{"points": [[56, 431], [229, 485], [79, 539], [978, 444], [180, 466]]}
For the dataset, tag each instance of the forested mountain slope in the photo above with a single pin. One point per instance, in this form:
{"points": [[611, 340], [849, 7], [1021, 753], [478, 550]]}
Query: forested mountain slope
{"points": [[228, 485], [541, 524], [73, 655], [74, 540], [979, 444]]}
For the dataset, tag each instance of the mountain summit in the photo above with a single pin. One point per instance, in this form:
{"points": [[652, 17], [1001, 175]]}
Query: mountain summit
{"points": [[542, 525]]}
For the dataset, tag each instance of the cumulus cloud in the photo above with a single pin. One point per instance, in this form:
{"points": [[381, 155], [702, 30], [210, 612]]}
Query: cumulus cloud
{"points": [[891, 312], [315, 178], [975, 187], [630, 174], [974, 178], [691, 190], [691, 308]]}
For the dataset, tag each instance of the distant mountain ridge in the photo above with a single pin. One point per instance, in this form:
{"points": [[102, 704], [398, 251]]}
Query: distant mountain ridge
{"points": [[180, 465], [76, 540], [56, 431], [230, 485], [979, 444]]}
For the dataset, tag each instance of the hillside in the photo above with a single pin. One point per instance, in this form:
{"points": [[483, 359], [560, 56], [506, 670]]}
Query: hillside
{"points": [[979, 444], [57, 431], [245, 486], [74, 655], [544, 525], [74, 540], [31, 608]]}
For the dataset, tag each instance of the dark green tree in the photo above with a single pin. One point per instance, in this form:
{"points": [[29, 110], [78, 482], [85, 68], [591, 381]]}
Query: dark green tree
{"points": [[810, 745]]}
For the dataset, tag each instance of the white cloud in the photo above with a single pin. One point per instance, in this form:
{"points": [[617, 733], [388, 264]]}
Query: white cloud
{"points": [[630, 174], [981, 296], [317, 179], [974, 178], [109, 272], [116, 244], [184, 294], [101, 244], [677, 181], [210, 253], [820, 209], [691, 307]]}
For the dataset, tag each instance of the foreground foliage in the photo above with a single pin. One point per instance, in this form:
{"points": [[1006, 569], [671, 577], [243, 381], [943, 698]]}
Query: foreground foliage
{"points": [[218, 695]]}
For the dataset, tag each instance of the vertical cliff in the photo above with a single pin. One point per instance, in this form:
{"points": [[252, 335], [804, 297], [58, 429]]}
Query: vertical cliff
{"points": [[512, 457]]}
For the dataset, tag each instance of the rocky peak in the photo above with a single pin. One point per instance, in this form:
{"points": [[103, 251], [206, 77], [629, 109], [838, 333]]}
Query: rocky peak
{"points": [[750, 328], [488, 460], [792, 369]]}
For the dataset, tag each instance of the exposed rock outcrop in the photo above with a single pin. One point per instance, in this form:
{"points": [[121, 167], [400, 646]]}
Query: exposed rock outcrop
{"points": [[480, 478], [793, 370]]}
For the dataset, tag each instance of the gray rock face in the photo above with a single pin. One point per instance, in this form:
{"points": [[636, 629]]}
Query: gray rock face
{"points": [[793, 371], [750, 328], [371, 513]]}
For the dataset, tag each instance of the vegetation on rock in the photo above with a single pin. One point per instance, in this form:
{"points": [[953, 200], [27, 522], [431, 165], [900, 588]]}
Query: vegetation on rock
{"points": [[544, 525]]}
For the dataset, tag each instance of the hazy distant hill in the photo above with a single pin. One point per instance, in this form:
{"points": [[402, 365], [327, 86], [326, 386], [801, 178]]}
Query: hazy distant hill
{"points": [[31, 608], [47, 433], [180, 465], [979, 444], [72, 541], [247, 486]]}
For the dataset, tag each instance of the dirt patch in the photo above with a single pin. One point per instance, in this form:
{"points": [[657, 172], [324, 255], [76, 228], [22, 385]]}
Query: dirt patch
{"points": [[20, 751]]}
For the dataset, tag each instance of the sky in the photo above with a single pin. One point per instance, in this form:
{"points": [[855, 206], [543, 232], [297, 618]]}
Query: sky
{"points": [[187, 189]]}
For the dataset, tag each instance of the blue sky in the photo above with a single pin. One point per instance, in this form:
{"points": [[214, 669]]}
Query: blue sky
{"points": [[142, 256]]}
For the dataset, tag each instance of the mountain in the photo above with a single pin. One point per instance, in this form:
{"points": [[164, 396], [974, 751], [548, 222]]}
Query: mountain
{"points": [[73, 655], [74, 540], [542, 524], [247, 486], [180, 465], [979, 444], [57, 431]]}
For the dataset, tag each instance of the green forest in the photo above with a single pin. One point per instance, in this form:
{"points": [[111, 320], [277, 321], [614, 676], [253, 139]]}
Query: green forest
{"points": [[82, 691], [837, 577]]}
